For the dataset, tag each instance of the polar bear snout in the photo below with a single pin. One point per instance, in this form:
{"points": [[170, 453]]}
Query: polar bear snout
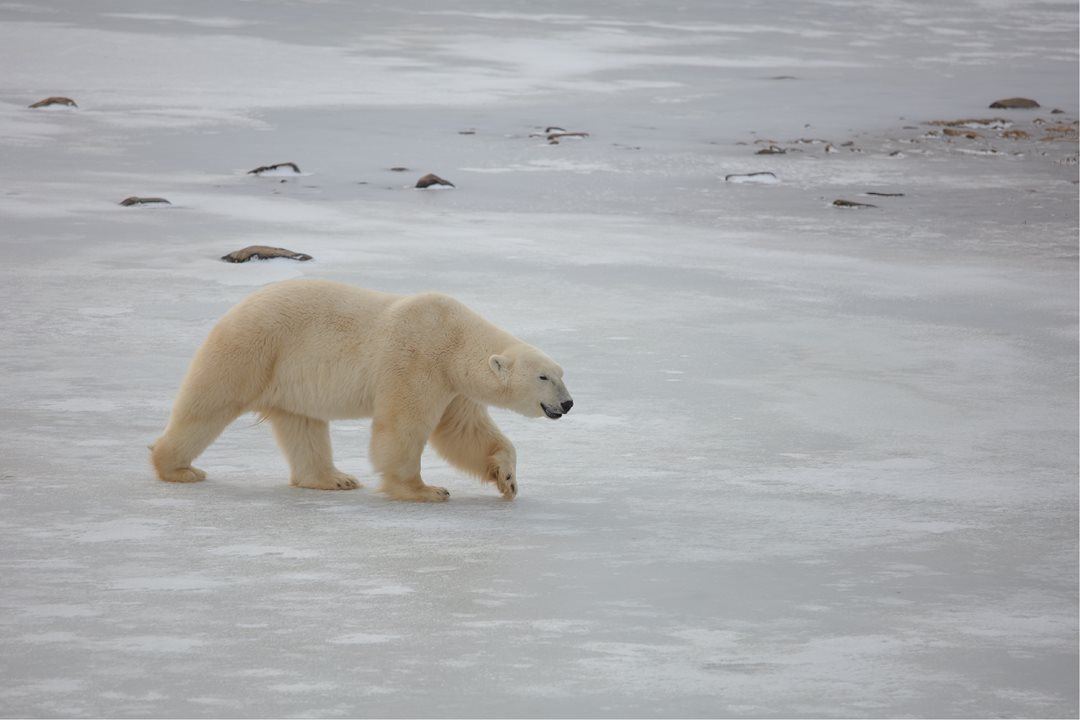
{"points": [[557, 411]]}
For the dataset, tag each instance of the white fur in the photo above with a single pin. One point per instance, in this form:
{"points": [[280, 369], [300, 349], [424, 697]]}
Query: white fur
{"points": [[305, 352]]}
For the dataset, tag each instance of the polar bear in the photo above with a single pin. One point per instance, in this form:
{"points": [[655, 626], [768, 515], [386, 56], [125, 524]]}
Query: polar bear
{"points": [[304, 352]]}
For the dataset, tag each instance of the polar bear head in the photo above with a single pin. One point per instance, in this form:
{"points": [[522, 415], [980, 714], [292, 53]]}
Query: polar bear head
{"points": [[530, 382]]}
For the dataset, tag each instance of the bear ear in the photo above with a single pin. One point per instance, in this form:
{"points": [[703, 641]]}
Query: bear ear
{"points": [[500, 365]]}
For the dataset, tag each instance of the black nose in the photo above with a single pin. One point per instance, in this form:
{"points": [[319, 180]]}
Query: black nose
{"points": [[567, 405]]}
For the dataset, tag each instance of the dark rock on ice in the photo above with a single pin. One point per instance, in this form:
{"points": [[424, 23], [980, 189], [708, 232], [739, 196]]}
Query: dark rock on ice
{"points": [[263, 252], [275, 169], [133, 200], [1016, 103], [55, 100], [432, 179]]}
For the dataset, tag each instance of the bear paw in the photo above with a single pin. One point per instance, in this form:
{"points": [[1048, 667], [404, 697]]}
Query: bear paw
{"points": [[336, 480], [414, 493], [184, 475], [347, 481], [502, 470]]}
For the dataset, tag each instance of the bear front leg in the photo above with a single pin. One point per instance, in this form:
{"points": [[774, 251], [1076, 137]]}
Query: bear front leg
{"points": [[502, 470], [468, 438], [396, 448], [306, 444], [185, 438]]}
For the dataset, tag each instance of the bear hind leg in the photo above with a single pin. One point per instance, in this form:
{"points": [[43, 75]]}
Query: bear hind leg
{"points": [[306, 444], [395, 453]]}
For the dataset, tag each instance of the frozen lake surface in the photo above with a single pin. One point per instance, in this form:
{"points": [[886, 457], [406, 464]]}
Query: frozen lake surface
{"points": [[822, 461]]}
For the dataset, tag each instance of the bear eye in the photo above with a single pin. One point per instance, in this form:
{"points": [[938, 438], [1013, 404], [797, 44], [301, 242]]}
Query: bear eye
{"points": [[543, 377]]}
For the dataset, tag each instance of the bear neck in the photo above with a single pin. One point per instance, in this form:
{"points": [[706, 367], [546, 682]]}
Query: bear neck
{"points": [[477, 381]]}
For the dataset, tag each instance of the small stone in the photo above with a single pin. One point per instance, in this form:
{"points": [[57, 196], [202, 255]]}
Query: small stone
{"points": [[133, 201], [850, 204], [466, 132], [432, 179], [1057, 111], [263, 252], [771, 150], [278, 169], [55, 100], [830, 149], [553, 128], [783, 77], [1015, 134], [1016, 103], [884, 194], [398, 169]]}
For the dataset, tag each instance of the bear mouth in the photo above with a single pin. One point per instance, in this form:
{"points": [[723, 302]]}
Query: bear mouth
{"points": [[553, 414]]}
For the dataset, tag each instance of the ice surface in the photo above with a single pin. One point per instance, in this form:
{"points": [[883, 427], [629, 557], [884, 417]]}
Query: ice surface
{"points": [[759, 178], [820, 463]]}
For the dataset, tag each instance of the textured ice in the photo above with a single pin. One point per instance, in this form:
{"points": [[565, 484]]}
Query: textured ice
{"points": [[820, 463]]}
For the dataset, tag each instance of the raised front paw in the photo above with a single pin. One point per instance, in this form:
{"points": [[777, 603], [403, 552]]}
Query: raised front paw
{"points": [[502, 470]]}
